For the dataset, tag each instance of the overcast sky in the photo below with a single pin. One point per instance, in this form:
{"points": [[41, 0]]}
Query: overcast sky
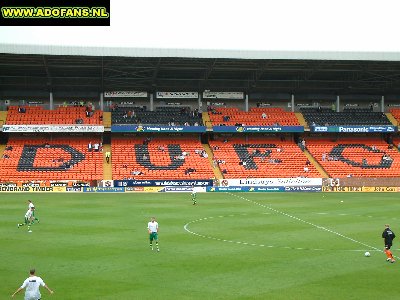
{"points": [[222, 24]]}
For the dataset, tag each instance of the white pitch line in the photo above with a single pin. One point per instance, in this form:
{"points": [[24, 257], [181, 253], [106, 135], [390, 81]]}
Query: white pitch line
{"points": [[311, 224], [186, 227]]}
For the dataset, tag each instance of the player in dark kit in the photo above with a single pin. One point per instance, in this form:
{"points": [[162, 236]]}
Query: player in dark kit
{"points": [[388, 235]]}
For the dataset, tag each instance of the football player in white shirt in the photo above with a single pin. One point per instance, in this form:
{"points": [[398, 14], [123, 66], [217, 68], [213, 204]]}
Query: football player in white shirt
{"points": [[31, 286], [194, 196], [31, 205], [28, 220], [152, 228]]}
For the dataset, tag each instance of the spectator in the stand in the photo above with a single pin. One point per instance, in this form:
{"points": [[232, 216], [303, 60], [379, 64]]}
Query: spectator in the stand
{"points": [[90, 147], [306, 169], [21, 109], [136, 172], [113, 106], [364, 162], [264, 115], [224, 171], [96, 147], [308, 162], [196, 124], [324, 156], [9, 148]]}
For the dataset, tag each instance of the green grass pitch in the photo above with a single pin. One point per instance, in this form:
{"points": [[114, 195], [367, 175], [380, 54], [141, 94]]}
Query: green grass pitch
{"points": [[234, 246]]}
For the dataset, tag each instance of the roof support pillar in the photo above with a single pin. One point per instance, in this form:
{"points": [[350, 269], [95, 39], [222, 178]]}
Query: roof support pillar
{"points": [[102, 101], [246, 103], [292, 102], [200, 102], [51, 101], [151, 101], [337, 103], [383, 104]]}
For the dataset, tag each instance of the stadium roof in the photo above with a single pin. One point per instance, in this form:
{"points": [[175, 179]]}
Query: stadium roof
{"points": [[95, 69]]}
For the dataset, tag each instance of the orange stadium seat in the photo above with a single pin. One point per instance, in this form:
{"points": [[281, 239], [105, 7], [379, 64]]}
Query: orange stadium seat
{"points": [[272, 116], [357, 157], [36, 115], [158, 159], [264, 157], [39, 159]]}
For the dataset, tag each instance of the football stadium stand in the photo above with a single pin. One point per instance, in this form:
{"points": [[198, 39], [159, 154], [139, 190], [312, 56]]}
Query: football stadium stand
{"points": [[178, 116], [355, 157], [165, 158], [327, 117], [59, 158], [256, 116], [261, 158], [396, 114], [37, 115]]}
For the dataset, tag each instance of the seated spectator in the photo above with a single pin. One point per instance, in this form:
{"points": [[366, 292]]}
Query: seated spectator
{"points": [[264, 115], [224, 171], [21, 109], [90, 147], [9, 148], [324, 156], [136, 172], [189, 170], [96, 147], [306, 169], [5, 156]]}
